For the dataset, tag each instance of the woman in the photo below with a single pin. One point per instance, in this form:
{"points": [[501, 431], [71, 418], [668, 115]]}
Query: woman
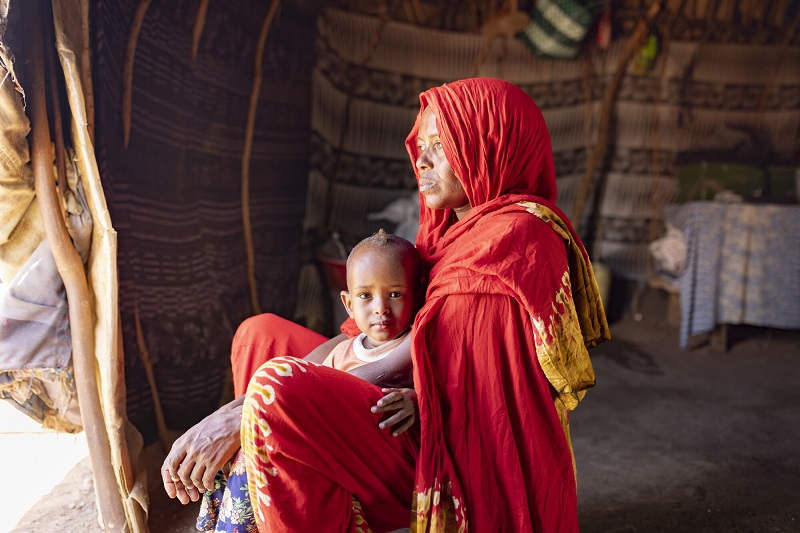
{"points": [[499, 352], [505, 292]]}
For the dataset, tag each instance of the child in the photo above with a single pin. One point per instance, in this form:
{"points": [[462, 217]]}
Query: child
{"points": [[384, 274], [384, 288]]}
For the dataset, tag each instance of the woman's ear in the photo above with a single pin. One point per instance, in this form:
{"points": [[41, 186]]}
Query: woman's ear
{"points": [[347, 302]]}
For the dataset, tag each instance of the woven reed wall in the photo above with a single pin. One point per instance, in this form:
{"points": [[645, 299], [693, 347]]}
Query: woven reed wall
{"points": [[174, 194], [697, 96]]}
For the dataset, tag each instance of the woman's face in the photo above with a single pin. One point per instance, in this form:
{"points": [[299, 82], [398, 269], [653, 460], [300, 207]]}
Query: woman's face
{"points": [[437, 182]]}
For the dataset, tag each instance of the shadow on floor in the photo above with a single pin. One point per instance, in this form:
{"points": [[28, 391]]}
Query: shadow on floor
{"points": [[627, 355]]}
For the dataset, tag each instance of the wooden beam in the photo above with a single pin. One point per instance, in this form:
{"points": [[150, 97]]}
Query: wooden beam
{"points": [[70, 267]]}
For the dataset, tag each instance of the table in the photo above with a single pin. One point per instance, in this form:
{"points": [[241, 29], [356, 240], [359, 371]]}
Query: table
{"points": [[742, 265]]}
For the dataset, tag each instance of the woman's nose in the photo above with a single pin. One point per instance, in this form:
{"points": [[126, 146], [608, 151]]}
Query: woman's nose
{"points": [[424, 161]]}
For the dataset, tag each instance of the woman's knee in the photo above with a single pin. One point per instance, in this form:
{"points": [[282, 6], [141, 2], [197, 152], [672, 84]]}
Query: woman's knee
{"points": [[282, 382], [256, 327], [254, 331]]}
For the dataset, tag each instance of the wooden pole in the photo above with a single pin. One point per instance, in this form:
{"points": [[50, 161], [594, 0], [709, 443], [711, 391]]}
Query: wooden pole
{"points": [[607, 109], [55, 105], [144, 355], [199, 24], [71, 270], [86, 68], [127, 70], [248, 148]]}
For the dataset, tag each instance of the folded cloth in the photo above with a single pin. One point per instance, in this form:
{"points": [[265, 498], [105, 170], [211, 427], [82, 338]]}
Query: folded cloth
{"points": [[558, 27]]}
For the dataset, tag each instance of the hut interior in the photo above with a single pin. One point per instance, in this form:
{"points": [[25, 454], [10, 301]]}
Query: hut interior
{"points": [[229, 154]]}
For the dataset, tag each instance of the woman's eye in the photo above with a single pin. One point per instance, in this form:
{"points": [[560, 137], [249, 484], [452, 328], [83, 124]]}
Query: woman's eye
{"points": [[438, 144]]}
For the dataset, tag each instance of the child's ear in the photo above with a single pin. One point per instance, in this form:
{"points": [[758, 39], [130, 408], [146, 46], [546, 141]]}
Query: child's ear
{"points": [[347, 302]]}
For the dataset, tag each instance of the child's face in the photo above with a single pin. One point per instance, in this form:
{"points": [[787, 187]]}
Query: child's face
{"points": [[380, 295]]}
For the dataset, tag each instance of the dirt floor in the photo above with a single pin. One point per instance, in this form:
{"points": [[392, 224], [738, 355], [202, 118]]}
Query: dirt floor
{"points": [[668, 441]]}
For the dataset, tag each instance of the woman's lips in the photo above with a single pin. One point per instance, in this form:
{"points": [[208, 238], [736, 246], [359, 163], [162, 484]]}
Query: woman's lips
{"points": [[426, 185]]}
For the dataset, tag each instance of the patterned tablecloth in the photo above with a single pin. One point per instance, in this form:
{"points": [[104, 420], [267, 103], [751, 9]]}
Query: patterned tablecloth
{"points": [[742, 265]]}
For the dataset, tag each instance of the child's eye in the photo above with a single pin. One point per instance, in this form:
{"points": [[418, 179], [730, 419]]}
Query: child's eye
{"points": [[365, 295], [395, 294], [438, 144]]}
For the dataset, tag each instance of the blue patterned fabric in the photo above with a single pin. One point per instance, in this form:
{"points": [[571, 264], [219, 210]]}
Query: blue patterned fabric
{"points": [[227, 508], [742, 266]]}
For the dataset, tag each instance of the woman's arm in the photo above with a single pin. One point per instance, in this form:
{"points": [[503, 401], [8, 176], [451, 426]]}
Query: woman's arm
{"points": [[197, 455], [393, 371]]}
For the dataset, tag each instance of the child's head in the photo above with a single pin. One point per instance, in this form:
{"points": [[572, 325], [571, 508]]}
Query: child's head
{"points": [[384, 277]]}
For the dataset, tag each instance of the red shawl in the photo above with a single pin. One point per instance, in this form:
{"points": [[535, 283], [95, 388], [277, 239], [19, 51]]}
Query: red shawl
{"points": [[511, 285]]}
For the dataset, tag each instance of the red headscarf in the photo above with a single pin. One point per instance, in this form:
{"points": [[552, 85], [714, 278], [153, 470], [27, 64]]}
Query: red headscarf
{"points": [[496, 142]]}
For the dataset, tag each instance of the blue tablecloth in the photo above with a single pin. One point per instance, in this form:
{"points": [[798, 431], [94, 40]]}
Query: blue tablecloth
{"points": [[742, 265]]}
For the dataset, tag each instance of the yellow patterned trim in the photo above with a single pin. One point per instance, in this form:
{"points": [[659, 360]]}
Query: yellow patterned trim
{"points": [[361, 521], [560, 348], [560, 342], [255, 429], [436, 510]]}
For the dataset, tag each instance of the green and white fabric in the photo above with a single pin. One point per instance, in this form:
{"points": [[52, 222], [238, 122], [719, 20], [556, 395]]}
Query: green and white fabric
{"points": [[558, 27]]}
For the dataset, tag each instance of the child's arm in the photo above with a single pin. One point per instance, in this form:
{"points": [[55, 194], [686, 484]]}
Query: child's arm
{"points": [[404, 401], [394, 370], [318, 354]]}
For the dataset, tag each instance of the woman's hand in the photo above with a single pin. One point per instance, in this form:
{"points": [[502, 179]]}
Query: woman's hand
{"points": [[404, 401], [197, 456]]}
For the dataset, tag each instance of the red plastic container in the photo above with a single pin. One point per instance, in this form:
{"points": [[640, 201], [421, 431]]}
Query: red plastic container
{"points": [[335, 271]]}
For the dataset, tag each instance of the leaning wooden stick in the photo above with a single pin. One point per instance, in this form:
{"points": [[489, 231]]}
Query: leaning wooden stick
{"points": [[607, 108], [144, 355], [248, 148], [199, 24], [127, 70], [71, 270]]}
